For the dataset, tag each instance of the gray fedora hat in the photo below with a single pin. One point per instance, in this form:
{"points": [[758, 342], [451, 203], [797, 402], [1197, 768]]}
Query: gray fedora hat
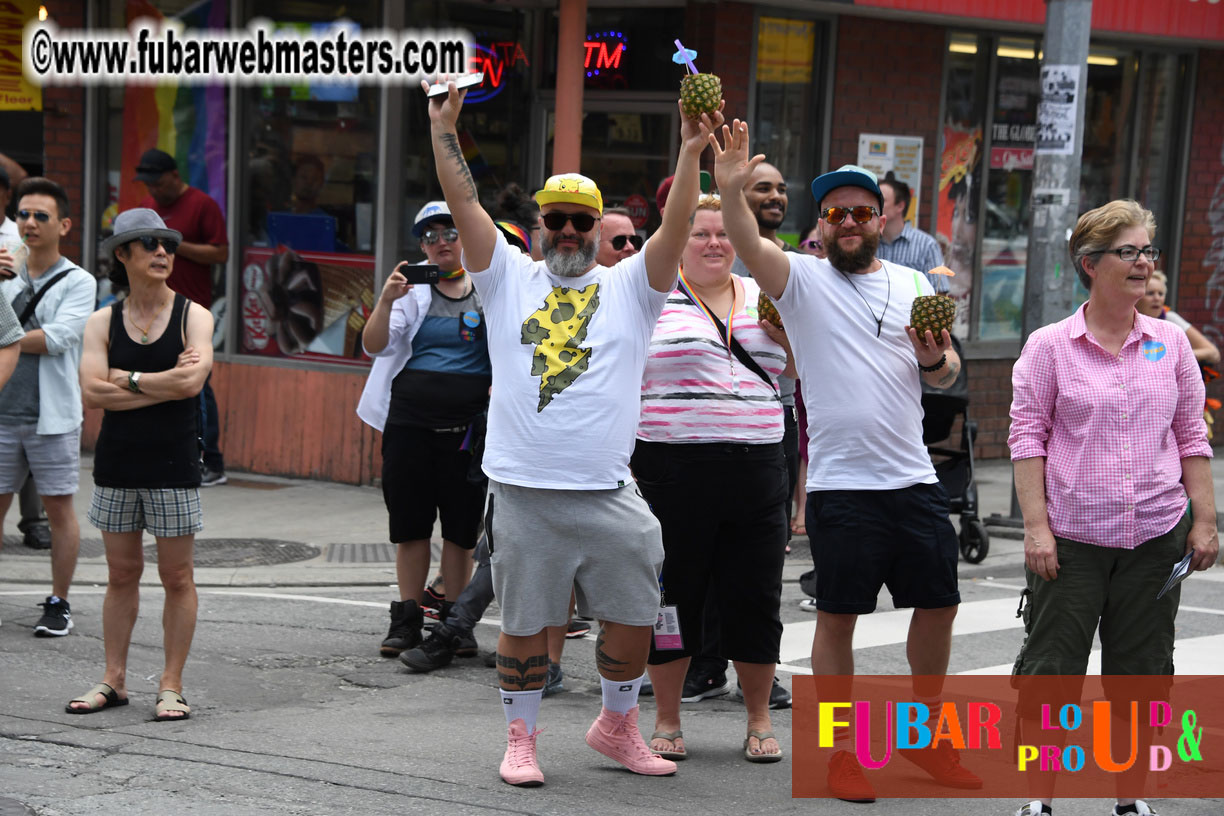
{"points": [[132, 224]]}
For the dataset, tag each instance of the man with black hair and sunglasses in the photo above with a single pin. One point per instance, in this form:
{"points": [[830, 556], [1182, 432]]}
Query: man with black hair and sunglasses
{"points": [[876, 514], [618, 239], [568, 340], [40, 407], [198, 217]]}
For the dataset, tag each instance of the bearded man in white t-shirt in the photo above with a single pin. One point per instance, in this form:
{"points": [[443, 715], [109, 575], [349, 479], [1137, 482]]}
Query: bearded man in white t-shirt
{"points": [[568, 340], [876, 513]]}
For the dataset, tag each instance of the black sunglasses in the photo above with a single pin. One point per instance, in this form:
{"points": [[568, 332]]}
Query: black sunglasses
{"points": [[583, 222], [40, 217], [618, 243], [150, 242], [860, 214], [450, 235]]}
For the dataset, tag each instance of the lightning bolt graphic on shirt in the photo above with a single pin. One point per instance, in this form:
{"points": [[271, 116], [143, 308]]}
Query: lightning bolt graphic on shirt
{"points": [[557, 330]]}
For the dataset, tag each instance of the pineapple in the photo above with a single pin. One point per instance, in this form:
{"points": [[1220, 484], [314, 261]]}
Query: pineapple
{"points": [[934, 312], [767, 311], [700, 93]]}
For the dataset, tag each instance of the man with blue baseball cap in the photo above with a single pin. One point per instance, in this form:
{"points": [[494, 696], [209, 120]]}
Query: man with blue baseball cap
{"points": [[876, 514]]}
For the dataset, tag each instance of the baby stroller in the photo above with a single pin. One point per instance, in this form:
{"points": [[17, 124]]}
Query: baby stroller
{"points": [[954, 466]]}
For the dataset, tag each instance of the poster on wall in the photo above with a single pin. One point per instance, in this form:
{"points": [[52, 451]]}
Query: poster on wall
{"points": [[16, 92], [305, 305], [1056, 111], [902, 155]]}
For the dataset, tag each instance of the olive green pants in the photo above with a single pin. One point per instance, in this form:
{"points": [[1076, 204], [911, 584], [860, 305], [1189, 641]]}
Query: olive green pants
{"points": [[1114, 587]]}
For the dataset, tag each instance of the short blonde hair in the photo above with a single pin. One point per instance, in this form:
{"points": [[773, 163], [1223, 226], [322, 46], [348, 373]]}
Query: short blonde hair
{"points": [[1097, 229], [707, 201], [1160, 277]]}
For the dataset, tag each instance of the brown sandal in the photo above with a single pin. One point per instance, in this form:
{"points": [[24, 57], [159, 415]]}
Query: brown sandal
{"points": [[112, 700]]}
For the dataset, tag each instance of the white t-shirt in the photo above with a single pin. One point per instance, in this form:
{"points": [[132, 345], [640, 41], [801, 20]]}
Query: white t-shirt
{"points": [[568, 355], [862, 393], [8, 228]]}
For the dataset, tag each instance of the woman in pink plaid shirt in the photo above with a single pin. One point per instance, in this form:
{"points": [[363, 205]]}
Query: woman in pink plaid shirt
{"points": [[1108, 443]]}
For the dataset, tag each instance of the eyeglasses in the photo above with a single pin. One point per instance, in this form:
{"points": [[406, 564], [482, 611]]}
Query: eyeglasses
{"points": [[555, 221], [861, 214], [150, 242], [450, 235], [40, 217], [1130, 254], [812, 243], [618, 243]]}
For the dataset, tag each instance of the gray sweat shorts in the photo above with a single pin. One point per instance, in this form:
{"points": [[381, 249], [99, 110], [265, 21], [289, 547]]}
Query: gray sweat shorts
{"points": [[605, 545]]}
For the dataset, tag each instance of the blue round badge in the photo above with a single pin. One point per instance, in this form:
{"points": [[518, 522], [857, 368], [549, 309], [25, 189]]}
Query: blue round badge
{"points": [[471, 319], [1154, 350]]}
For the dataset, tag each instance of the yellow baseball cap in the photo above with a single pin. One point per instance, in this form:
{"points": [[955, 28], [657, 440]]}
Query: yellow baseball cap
{"points": [[571, 188]]}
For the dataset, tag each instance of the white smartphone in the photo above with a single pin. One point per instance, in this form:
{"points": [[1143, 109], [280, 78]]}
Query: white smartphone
{"points": [[465, 81]]}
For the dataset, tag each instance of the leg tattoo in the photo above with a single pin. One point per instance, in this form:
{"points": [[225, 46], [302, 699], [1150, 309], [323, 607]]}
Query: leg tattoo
{"points": [[516, 675]]}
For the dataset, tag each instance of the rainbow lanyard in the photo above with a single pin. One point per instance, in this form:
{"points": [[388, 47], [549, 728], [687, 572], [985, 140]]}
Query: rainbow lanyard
{"points": [[458, 273], [705, 310]]}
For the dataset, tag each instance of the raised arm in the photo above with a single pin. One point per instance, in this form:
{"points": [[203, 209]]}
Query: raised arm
{"points": [[667, 245], [732, 168], [458, 186]]}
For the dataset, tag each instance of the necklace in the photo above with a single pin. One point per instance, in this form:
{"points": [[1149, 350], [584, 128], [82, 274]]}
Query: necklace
{"points": [[144, 332], [879, 321]]}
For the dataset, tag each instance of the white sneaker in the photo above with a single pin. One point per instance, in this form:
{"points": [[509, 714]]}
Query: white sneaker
{"points": [[808, 605], [1143, 809], [1033, 808]]}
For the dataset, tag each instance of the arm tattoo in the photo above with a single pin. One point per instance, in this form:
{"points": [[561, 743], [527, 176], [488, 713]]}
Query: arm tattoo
{"points": [[520, 675], [451, 143], [950, 376], [604, 661]]}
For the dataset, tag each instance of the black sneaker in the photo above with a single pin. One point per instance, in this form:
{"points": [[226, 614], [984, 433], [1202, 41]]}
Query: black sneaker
{"points": [[405, 631], [435, 652], [702, 687], [56, 619], [37, 537], [212, 478], [431, 604], [466, 647], [554, 680], [778, 696], [578, 627]]}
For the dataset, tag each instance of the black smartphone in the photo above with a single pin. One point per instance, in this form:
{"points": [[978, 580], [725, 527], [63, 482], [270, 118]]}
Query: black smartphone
{"points": [[420, 273]]}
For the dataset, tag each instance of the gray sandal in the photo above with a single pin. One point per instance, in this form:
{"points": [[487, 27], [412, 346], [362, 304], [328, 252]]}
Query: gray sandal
{"points": [[670, 736]]}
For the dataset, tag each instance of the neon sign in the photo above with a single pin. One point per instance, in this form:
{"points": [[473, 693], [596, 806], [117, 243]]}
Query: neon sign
{"points": [[494, 59], [603, 59]]}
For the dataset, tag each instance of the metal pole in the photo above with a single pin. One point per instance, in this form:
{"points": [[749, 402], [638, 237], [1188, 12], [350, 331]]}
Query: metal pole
{"points": [[1049, 282]]}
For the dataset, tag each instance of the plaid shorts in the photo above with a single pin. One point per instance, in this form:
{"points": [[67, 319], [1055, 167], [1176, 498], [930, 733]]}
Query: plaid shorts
{"points": [[165, 512]]}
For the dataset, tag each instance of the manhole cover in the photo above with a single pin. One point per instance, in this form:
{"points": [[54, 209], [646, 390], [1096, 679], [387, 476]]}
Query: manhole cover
{"points": [[243, 552], [11, 807], [381, 552]]}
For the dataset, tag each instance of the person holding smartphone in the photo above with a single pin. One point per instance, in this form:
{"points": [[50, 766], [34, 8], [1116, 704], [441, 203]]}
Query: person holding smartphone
{"points": [[427, 392]]}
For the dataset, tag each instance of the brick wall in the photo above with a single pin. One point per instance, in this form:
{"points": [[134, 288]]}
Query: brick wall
{"points": [[891, 90], [64, 133], [1201, 277]]}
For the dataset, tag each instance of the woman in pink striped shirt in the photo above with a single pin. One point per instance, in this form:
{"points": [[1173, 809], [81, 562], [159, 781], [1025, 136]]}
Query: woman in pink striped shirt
{"points": [[1111, 469], [709, 460]]}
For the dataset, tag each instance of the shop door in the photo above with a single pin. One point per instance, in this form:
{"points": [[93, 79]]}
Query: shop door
{"points": [[627, 148]]}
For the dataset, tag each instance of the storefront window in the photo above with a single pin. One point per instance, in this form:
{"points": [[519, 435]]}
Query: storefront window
{"points": [[1123, 89], [307, 264], [191, 123], [960, 166], [495, 125], [788, 99]]}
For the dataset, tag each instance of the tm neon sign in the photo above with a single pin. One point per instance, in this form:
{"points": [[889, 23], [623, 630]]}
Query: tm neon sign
{"points": [[604, 52]]}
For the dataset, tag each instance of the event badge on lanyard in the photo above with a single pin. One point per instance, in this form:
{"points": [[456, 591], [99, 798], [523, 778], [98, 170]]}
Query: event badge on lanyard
{"points": [[667, 626]]}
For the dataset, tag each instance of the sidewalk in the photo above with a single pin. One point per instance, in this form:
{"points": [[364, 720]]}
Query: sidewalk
{"points": [[269, 531]]}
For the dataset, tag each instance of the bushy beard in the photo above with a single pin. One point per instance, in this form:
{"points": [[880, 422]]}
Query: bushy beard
{"points": [[861, 258], [570, 264]]}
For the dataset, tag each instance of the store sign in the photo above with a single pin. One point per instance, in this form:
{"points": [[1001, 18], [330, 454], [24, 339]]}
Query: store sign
{"points": [[900, 155], [639, 210], [784, 50], [16, 94], [1011, 158], [603, 54], [493, 60]]}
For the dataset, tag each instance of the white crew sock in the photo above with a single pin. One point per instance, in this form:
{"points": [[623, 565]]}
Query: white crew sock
{"points": [[522, 705], [619, 696]]}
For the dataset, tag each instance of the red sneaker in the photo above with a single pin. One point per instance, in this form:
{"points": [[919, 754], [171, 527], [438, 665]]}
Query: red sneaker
{"points": [[519, 766], [617, 736], [846, 779], [943, 764]]}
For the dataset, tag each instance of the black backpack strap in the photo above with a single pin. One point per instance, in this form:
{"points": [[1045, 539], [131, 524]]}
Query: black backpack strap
{"points": [[28, 311]]}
